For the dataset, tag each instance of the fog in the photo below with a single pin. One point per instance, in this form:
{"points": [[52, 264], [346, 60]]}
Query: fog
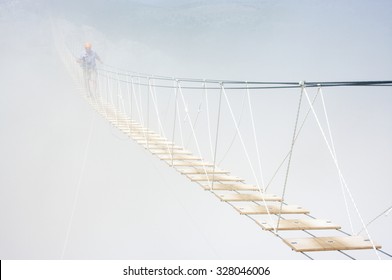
{"points": [[130, 205]]}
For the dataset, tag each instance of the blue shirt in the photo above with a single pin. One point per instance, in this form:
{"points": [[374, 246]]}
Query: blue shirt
{"points": [[88, 60]]}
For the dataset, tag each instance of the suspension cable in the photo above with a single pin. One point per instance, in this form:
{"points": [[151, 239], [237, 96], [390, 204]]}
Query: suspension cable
{"points": [[262, 84]]}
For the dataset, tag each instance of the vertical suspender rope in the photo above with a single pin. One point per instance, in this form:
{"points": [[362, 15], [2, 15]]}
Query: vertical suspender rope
{"points": [[101, 94], [133, 96], [208, 119], [129, 102], [139, 100], [174, 125], [112, 99], [155, 103], [141, 109], [148, 113], [113, 94], [138, 104], [179, 116], [289, 160], [216, 137], [121, 104], [129, 96], [98, 89], [107, 94], [118, 107], [340, 174], [255, 139]]}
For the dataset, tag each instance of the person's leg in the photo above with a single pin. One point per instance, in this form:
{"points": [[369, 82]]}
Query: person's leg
{"points": [[89, 91], [93, 82], [86, 78]]}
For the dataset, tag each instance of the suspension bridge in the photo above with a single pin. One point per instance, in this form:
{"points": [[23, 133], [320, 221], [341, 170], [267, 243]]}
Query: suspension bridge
{"points": [[131, 102]]}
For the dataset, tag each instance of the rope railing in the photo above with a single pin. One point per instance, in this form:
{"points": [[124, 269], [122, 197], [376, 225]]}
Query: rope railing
{"points": [[241, 85]]}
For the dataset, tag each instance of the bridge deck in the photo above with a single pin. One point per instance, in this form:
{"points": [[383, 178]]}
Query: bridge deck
{"points": [[229, 188]]}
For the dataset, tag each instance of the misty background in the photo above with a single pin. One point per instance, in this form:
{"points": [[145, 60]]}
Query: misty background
{"points": [[133, 206]]}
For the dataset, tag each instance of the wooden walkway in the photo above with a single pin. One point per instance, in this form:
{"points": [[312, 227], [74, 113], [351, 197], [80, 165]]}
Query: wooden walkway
{"points": [[232, 189]]}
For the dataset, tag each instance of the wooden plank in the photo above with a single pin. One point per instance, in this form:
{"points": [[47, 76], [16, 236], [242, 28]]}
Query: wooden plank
{"points": [[179, 157], [115, 119], [146, 136], [154, 141], [248, 197], [138, 131], [184, 163], [161, 146], [272, 209], [232, 187], [296, 224], [155, 137], [129, 121], [110, 112], [149, 141], [132, 128], [120, 117], [143, 135], [123, 120], [128, 129], [312, 244], [202, 171], [165, 152], [216, 178], [141, 130]]}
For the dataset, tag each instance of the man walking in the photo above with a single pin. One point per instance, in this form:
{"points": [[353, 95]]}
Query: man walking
{"points": [[89, 65]]}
